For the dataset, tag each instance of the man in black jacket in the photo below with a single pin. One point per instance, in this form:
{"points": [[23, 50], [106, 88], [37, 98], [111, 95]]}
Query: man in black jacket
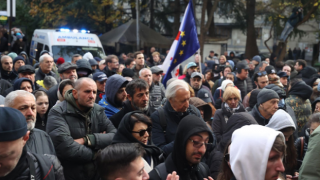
{"points": [[39, 141], [16, 162], [45, 68], [267, 105], [138, 99], [243, 82], [191, 142], [7, 69], [79, 128]]}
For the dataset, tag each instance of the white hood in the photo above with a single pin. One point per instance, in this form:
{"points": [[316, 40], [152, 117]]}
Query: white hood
{"points": [[281, 120], [87, 56], [249, 151]]}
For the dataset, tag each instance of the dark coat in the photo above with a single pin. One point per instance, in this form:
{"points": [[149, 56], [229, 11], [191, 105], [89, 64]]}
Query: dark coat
{"points": [[219, 120], [40, 75], [53, 97], [155, 97], [66, 123], [258, 117], [166, 140], [4, 85], [108, 72], [40, 143], [240, 84]]}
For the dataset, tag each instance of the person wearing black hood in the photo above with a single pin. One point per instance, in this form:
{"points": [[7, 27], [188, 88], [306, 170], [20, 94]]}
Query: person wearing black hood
{"points": [[17, 63], [25, 56], [23, 84], [83, 68], [135, 127], [7, 69], [191, 142], [298, 99]]}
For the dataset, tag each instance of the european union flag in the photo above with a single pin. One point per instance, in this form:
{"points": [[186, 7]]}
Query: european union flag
{"points": [[185, 44]]}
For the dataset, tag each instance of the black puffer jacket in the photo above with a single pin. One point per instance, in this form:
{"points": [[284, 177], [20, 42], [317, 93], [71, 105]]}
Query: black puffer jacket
{"points": [[219, 120], [40, 143], [67, 123], [155, 97], [4, 85], [241, 85]]}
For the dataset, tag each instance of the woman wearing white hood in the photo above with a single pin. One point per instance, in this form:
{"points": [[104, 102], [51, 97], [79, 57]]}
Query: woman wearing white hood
{"points": [[256, 153], [282, 121]]}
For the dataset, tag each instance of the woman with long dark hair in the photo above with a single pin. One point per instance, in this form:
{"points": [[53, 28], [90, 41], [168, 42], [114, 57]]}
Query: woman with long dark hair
{"points": [[42, 104]]}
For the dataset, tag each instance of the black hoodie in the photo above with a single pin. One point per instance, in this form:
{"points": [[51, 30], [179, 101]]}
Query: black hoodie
{"points": [[301, 89], [176, 161], [18, 82], [124, 135]]}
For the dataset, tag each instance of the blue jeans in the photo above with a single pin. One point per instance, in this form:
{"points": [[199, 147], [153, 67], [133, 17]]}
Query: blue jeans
{"points": [[286, 31]]}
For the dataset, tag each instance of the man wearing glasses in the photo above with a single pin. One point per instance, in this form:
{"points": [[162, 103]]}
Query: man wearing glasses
{"points": [[192, 140], [112, 62]]}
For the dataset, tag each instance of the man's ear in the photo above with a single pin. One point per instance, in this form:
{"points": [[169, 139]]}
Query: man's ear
{"points": [[26, 138], [74, 93], [255, 82], [129, 97]]}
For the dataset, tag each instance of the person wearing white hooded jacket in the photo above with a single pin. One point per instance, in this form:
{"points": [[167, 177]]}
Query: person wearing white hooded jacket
{"points": [[282, 121], [256, 153]]}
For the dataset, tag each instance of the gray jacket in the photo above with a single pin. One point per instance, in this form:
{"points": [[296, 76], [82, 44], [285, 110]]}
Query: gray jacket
{"points": [[40, 143]]}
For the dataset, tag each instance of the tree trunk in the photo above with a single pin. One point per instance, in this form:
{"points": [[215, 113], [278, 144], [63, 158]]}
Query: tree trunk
{"points": [[211, 27], [133, 9], [203, 30], [151, 25], [251, 44], [176, 22]]}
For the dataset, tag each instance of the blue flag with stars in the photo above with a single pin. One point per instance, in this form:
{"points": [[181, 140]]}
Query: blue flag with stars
{"points": [[184, 46]]}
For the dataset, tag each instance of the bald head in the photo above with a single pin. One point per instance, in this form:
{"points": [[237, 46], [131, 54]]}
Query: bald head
{"points": [[84, 93]]}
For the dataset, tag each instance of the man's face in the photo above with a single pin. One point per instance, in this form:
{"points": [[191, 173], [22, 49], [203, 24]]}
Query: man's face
{"points": [[156, 78], [25, 85], [156, 58], [271, 106], [226, 71], [255, 62], [284, 81], [121, 67], [251, 66], [274, 165], [194, 154], [139, 60], [262, 81], [137, 171], [180, 103], [317, 107], [94, 67], [27, 106], [230, 77], [10, 153], [132, 64], [191, 70], [298, 67], [313, 126], [47, 64], [263, 67], [226, 53], [222, 60], [268, 60], [124, 57], [232, 101], [147, 76], [272, 78], [69, 74], [140, 99], [102, 66], [152, 49], [244, 73], [121, 95], [211, 54], [101, 85], [287, 69], [7, 64], [86, 95], [28, 75], [75, 59], [18, 64], [114, 64], [196, 59], [196, 83]]}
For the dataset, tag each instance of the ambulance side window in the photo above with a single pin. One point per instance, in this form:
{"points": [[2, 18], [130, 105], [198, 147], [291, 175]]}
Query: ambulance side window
{"points": [[39, 49]]}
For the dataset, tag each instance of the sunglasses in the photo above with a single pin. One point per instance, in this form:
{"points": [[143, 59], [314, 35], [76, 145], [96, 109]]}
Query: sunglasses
{"points": [[142, 132], [198, 144], [263, 73], [227, 157]]}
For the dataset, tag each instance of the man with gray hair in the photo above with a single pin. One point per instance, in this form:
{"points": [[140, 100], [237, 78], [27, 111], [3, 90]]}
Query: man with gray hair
{"points": [[165, 120], [155, 92], [49, 82], [79, 128], [45, 68], [7, 69], [39, 141]]}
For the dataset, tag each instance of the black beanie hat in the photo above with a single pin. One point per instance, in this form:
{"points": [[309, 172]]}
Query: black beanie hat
{"points": [[253, 97], [17, 59], [265, 95], [127, 72], [13, 124]]}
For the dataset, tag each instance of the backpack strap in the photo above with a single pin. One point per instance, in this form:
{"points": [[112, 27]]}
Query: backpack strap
{"points": [[161, 171], [31, 166], [163, 121], [301, 148], [46, 165]]}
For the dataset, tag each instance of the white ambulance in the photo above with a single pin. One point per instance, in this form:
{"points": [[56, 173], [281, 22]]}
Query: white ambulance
{"points": [[65, 43]]}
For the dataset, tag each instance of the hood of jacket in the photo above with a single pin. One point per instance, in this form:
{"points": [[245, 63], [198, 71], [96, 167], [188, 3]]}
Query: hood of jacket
{"points": [[18, 82], [301, 89], [83, 64], [197, 102], [188, 126], [88, 56], [112, 86], [124, 135], [314, 103], [281, 120], [250, 149], [236, 121]]}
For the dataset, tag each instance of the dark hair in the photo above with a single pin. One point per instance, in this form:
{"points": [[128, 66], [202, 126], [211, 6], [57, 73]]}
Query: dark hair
{"points": [[128, 62], [139, 84], [314, 118], [290, 160], [302, 63], [114, 160], [75, 55], [39, 93], [136, 54], [255, 75], [63, 84], [110, 57], [225, 170], [139, 117]]}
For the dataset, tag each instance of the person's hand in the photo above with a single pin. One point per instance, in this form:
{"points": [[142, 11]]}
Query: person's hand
{"points": [[209, 178], [103, 132], [173, 176], [80, 141]]}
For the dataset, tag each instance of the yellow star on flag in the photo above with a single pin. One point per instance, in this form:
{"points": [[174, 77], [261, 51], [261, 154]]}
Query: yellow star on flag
{"points": [[181, 52], [175, 61], [182, 34], [184, 43]]}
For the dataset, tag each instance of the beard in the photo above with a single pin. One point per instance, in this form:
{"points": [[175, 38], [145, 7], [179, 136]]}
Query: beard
{"points": [[141, 108], [31, 121]]}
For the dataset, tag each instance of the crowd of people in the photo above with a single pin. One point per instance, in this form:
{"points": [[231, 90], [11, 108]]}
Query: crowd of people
{"points": [[113, 118]]}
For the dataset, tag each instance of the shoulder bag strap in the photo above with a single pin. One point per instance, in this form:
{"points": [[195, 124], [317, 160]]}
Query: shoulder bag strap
{"points": [[301, 148], [31, 167]]}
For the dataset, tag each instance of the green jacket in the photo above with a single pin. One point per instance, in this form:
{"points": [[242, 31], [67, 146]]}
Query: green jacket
{"points": [[310, 168]]}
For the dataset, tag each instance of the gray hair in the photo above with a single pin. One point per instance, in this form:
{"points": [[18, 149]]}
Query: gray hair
{"points": [[144, 69], [49, 81], [43, 57], [174, 86], [263, 62], [5, 57], [9, 100]]}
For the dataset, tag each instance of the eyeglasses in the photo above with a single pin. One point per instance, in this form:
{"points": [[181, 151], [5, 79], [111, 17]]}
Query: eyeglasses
{"points": [[198, 144], [227, 157], [263, 73], [142, 132]]}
